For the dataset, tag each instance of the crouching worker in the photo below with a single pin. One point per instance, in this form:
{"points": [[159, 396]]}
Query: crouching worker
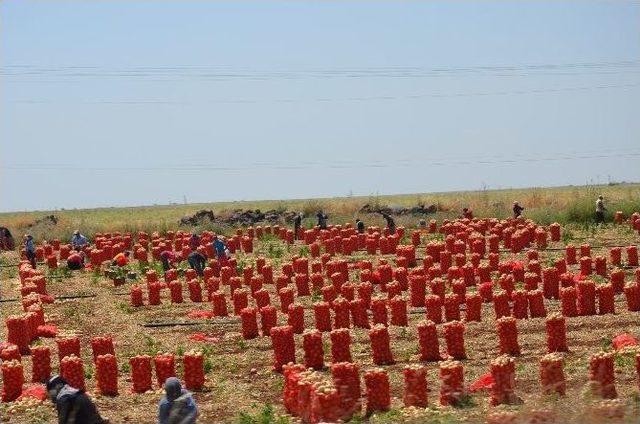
{"points": [[221, 248], [197, 262], [75, 260], [168, 259], [121, 259], [177, 405], [73, 405]]}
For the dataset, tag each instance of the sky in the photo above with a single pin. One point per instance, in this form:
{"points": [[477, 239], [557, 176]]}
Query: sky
{"points": [[138, 103]]}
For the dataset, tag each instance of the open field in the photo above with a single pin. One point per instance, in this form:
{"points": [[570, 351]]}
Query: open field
{"points": [[544, 205], [240, 382]]}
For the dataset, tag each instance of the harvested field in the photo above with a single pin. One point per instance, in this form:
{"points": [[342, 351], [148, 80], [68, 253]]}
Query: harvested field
{"points": [[240, 382]]}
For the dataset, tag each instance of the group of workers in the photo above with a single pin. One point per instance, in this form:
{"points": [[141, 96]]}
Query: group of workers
{"points": [[467, 213], [197, 260], [77, 257], [73, 406]]}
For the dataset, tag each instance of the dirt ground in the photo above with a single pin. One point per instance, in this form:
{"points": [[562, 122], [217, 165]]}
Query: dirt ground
{"points": [[239, 373]]}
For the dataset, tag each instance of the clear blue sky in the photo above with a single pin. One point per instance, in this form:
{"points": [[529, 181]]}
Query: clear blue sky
{"points": [[122, 103]]}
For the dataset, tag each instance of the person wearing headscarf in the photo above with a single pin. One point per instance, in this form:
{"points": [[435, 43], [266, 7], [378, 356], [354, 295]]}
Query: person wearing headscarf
{"points": [[600, 209], [391, 224], [322, 220], [30, 249], [517, 209], [177, 405], [73, 405], [78, 241]]}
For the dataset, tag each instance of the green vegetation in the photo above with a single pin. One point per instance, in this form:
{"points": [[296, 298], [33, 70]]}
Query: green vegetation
{"points": [[573, 204], [264, 416]]}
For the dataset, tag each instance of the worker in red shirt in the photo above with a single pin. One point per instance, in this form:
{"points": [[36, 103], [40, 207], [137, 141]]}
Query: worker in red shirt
{"points": [[168, 259], [76, 260], [121, 259]]}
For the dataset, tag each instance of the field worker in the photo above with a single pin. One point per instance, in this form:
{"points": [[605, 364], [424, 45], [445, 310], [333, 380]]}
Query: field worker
{"points": [[73, 405], [75, 260], [168, 259], [422, 224], [600, 210], [517, 209], [121, 259], [360, 226], [78, 241], [177, 405], [30, 249], [391, 224], [197, 262], [297, 223], [194, 241], [220, 247], [467, 213], [322, 220]]}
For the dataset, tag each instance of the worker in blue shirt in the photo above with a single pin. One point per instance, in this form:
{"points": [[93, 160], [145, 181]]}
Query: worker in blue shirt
{"points": [[30, 249], [78, 241], [219, 247]]}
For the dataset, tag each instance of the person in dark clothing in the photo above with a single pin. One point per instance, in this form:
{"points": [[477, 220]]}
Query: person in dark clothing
{"points": [[73, 405], [467, 213], [297, 223], [197, 261], [322, 220], [194, 241], [6, 239], [391, 224], [177, 405], [75, 260], [360, 226], [168, 259], [30, 249], [517, 209], [600, 209]]}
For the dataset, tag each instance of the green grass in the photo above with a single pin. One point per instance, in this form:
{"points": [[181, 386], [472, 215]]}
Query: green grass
{"points": [[266, 415]]}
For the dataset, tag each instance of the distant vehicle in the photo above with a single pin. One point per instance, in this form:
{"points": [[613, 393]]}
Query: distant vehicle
{"points": [[6, 239]]}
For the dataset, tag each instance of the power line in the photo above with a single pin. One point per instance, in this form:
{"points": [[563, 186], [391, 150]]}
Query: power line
{"points": [[225, 73], [325, 165], [343, 99]]}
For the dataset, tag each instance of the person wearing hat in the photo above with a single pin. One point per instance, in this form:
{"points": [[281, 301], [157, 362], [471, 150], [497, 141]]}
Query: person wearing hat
{"points": [[517, 209], [73, 405], [78, 241], [177, 405], [600, 210], [30, 250]]}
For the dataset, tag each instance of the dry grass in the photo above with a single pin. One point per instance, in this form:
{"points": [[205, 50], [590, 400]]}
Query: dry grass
{"points": [[545, 205]]}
